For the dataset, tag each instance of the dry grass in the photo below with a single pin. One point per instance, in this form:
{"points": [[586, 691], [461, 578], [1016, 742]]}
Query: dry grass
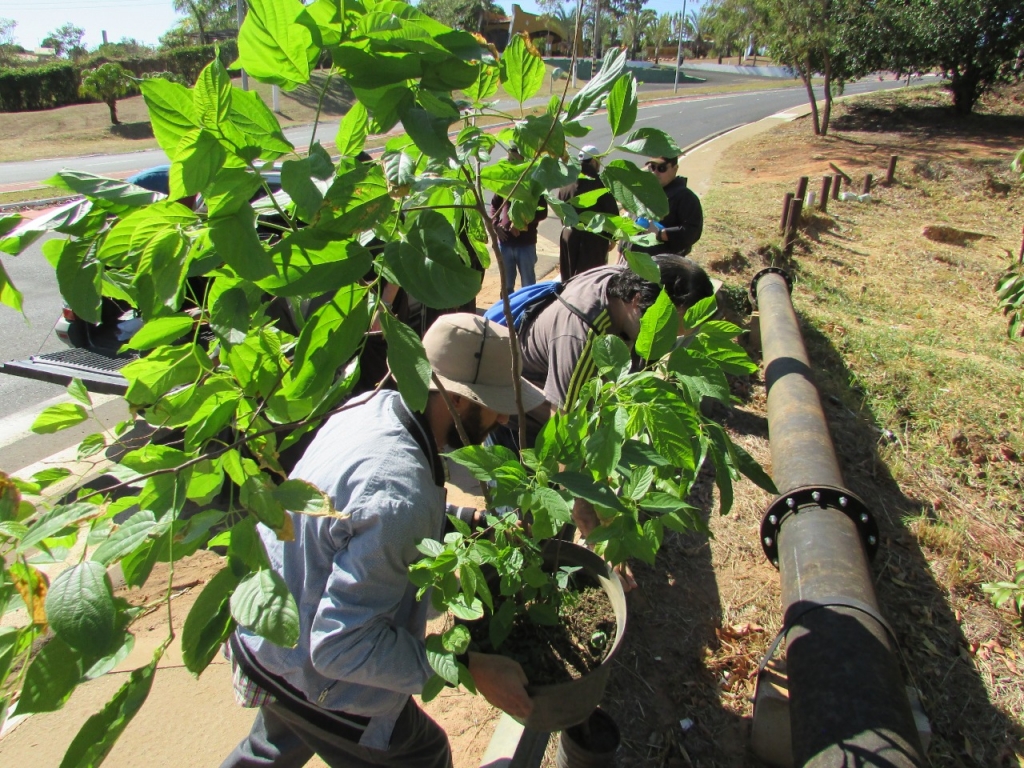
{"points": [[923, 393]]}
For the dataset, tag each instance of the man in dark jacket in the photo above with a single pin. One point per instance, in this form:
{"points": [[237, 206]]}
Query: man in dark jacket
{"points": [[684, 224], [580, 250], [518, 247]]}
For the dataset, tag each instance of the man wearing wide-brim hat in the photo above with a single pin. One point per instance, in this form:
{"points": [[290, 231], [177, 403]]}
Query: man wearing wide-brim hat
{"points": [[344, 691]]}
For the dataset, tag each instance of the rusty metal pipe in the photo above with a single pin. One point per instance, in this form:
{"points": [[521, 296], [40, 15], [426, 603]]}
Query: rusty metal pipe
{"points": [[848, 704]]}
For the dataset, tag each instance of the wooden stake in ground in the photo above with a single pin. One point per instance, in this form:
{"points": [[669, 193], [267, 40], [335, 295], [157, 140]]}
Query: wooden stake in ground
{"points": [[826, 186], [838, 182], [891, 173], [795, 209], [786, 201], [841, 172], [801, 187], [867, 184]]}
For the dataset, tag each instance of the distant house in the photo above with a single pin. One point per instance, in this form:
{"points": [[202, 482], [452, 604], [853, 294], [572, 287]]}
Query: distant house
{"points": [[546, 33]]}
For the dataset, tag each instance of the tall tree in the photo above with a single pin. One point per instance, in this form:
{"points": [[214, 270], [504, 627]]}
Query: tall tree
{"points": [[976, 43], [7, 40], [460, 14], [633, 28], [732, 25], [700, 26], [203, 16], [66, 40], [659, 33]]}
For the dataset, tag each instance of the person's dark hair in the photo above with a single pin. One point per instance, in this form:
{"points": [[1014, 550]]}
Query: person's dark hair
{"points": [[684, 280], [671, 160], [591, 168]]}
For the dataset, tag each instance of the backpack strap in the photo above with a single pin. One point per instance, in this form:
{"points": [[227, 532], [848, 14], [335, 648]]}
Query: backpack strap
{"points": [[577, 312]]}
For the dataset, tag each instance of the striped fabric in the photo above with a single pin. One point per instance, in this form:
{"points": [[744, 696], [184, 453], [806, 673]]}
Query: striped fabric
{"points": [[247, 693], [586, 368]]}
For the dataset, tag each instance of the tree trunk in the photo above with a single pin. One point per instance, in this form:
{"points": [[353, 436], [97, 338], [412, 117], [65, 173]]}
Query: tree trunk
{"points": [[805, 75], [112, 106], [965, 92], [828, 96]]}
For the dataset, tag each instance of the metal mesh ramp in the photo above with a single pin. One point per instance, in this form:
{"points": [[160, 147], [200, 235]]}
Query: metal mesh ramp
{"points": [[98, 372]]}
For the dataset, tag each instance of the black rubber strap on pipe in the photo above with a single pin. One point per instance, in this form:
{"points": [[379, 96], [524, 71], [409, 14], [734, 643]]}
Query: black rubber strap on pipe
{"points": [[848, 705]]}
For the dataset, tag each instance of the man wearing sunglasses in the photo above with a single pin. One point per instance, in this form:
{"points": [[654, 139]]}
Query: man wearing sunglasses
{"points": [[684, 224]]}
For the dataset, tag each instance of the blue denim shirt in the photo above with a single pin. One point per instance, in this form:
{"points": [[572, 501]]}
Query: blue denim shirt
{"points": [[361, 630]]}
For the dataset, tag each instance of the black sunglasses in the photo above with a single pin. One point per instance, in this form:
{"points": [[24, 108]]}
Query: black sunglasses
{"points": [[659, 167]]}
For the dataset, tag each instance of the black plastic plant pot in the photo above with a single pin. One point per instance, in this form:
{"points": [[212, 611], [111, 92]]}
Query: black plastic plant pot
{"points": [[563, 705]]}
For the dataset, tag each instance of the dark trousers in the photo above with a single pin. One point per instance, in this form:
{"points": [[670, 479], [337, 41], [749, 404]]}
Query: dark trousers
{"points": [[579, 251], [282, 739]]}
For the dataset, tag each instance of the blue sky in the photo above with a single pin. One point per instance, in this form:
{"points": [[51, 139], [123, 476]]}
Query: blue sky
{"points": [[145, 20]]}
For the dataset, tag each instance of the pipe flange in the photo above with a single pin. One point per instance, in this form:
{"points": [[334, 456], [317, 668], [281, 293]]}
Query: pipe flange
{"points": [[752, 291], [824, 497]]}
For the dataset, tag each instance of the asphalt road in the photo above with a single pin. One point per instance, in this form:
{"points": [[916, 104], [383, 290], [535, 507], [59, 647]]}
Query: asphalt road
{"points": [[687, 121]]}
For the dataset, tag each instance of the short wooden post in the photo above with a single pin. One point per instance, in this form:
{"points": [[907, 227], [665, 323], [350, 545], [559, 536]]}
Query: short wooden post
{"points": [[867, 184], [801, 188], [837, 182], [891, 173], [785, 212], [795, 209], [826, 185]]}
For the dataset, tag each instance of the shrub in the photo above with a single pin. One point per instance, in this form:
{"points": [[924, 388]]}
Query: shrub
{"points": [[108, 83], [38, 88]]}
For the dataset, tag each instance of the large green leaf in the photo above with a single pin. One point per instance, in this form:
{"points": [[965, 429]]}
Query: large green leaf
{"points": [[263, 604], [329, 338], [297, 181], [430, 133], [127, 537], [658, 328], [650, 142], [310, 261], [585, 487], [230, 191], [116, 191], [252, 117], [603, 446], [51, 677], [365, 69], [97, 737], [57, 417], [550, 512], [356, 201], [79, 276], [522, 69], [236, 241], [129, 237], [211, 97], [171, 111], [700, 375], [196, 162], [80, 609], [407, 361], [277, 44], [55, 520], [209, 622], [636, 190], [541, 133], [161, 272], [353, 130], [611, 355], [622, 104], [163, 370], [9, 295], [303, 497], [427, 264], [589, 99], [164, 330]]}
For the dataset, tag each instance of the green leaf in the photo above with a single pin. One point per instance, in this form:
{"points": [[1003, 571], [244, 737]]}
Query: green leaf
{"points": [[701, 376], [441, 660], [700, 312], [650, 142], [276, 43], [637, 191], [209, 622], [357, 200], [171, 111], [197, 160], [97, 737], [432, 688], [522, 70], [466, 611], [122, 193], [644, 265], [353, 131], [622, 104], [482, 461], [302, 497], [58, 417], [407, 360], [253, 118], [611, 355], [550, 512], [589, 99], [160, 331], [658, 328], [430, 133], [79, 276], [230, 191], [80, 608], [211, 97], [9, 295], [585, 487], [263, 604], [749, 468], [603, 446], [430, 548], [297, 181], [162, 370], [486, 84], [457, 639], [132, 532], [540, 133], [428, 265], [51, 677], [329, 338], [78, 391], [229, 318], [91, 445], [236, 241]]}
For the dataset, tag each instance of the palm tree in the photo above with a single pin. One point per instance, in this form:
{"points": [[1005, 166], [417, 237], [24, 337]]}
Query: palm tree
{"points": [[633, 28], [700, 22], [659, 33]]}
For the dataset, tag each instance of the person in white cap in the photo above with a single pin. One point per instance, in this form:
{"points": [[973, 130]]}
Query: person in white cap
{"points": [[580, 250], [344, 691]]}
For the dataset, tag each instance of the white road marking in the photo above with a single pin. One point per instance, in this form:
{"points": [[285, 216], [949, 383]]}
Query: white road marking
{"points": [[18, 426]]}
